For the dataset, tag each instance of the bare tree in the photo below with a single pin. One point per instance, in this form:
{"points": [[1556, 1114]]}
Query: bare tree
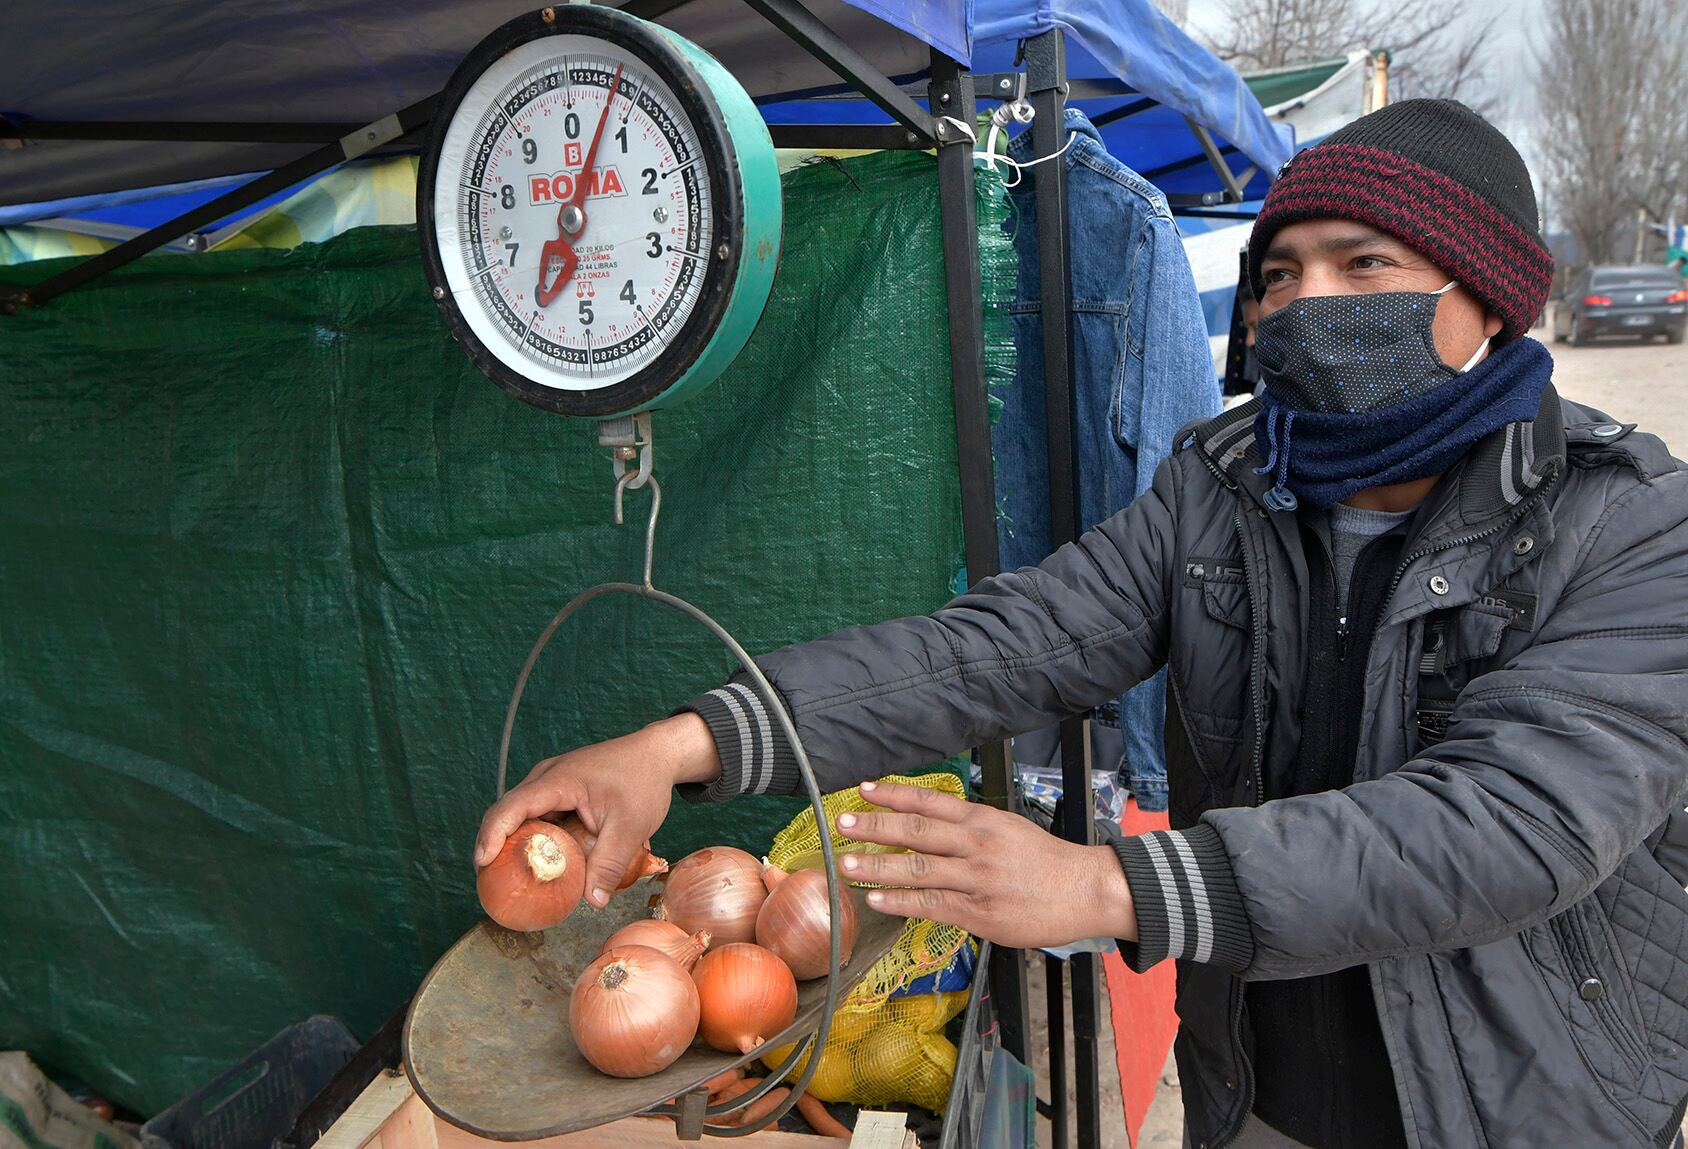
{"points": [[1178, 11], [1660, 172], [1436, 48], [1612, 99], [1273, 33], [1439, 52]]}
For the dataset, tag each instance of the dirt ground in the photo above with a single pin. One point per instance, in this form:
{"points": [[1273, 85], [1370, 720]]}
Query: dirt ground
{"points": [[1643, 383], [1111, 1109]]}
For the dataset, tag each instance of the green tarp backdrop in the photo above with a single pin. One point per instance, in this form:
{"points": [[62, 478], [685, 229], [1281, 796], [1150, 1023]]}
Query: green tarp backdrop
{"points": [[272, 551]]}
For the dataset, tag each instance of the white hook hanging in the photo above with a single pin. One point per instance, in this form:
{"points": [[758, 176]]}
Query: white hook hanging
{"points": [[1016, 110]]}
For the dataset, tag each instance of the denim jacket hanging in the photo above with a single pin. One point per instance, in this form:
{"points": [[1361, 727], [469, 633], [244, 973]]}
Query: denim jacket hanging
{"points": [[1141, 370]]}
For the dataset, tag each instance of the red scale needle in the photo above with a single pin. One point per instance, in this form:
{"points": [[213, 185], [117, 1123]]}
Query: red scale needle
{"points": [[561, 248]]}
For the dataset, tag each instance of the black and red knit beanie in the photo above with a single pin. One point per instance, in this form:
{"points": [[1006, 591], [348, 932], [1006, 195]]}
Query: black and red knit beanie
{"points": [[1440, 178]]}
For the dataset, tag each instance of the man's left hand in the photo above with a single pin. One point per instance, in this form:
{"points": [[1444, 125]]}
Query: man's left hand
{"points": [[996, 875]]}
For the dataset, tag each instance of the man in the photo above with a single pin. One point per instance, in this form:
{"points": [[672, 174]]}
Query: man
{"points": [[1241, 379], [1251, 363], [1427, 625]]}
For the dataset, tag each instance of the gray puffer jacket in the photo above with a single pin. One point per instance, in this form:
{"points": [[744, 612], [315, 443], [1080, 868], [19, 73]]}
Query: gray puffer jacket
{"points": [[1510, 857]]}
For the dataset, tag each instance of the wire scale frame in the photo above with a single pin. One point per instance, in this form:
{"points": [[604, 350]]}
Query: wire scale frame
{"points": [[776, 706]]}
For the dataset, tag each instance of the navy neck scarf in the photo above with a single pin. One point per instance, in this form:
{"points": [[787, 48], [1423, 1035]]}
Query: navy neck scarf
{"points": [[1322, 457]]}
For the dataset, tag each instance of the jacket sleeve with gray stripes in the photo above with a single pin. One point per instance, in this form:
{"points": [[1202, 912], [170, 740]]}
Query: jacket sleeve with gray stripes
{"points": [[1017, 652]]}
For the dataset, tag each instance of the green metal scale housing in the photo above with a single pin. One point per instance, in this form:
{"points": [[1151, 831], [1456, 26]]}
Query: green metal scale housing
{"points": [[599, 208]]}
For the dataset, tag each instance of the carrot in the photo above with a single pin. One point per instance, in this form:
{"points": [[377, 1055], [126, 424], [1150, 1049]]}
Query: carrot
{"points": [[735, 1089], [819, 1119], [721, 1080], [715, 1085], [765, 1105]]}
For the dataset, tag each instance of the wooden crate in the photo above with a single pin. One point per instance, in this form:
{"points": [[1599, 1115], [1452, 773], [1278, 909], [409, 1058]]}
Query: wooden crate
{"points": [[389, 1115]]}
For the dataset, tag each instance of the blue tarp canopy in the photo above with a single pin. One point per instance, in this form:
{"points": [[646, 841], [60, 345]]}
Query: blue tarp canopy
{"points": [[355, 61], [1126, 56]]}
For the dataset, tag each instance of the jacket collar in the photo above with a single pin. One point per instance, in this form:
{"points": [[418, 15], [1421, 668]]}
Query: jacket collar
{"points": [[1501, 471]]}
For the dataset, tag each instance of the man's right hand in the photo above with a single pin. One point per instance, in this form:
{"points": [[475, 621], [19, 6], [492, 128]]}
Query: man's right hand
{"points": [[620, 789]]}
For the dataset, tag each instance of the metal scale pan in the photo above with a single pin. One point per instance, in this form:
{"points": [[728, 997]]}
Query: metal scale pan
{"points": [[488, 1044]]}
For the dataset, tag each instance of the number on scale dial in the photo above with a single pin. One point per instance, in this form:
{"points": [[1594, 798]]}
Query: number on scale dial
{"points": [[582, 222]]}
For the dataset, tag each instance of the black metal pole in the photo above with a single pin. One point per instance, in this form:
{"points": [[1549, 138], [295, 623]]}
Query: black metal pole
{"points": [[869, 137], [1045, 66], [1046, 87], [354, 144], [304, 132], [807, 31], [952, 95], [1055, 1000]]}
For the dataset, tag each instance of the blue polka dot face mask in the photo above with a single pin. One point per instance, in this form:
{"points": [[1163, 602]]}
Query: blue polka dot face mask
{"points": [[1344, 354]]}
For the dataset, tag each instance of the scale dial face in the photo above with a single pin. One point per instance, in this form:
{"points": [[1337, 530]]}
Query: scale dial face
{"points": [[580, 232]]}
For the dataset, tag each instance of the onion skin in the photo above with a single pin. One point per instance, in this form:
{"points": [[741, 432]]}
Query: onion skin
{"points": [[718, 889], [644, 864], [796, 924], [535, 880], [746, 995], [633, 1011], [664, 937]]}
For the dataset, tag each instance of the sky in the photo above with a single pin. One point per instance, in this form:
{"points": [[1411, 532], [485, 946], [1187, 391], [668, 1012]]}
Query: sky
{"points": [[1510, 68]]}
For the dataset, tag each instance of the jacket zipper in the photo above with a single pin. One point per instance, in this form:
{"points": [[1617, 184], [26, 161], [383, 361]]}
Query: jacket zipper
{"points": [[1345, 605], [1224, 480], [1257, 696], [1257, 679], [1257, 658]]}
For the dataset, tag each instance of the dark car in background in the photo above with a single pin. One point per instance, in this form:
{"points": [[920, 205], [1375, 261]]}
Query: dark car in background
{"points": [[1646, 301]]}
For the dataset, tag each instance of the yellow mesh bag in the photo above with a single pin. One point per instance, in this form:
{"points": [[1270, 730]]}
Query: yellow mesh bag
{"points": [[881, 1050]]}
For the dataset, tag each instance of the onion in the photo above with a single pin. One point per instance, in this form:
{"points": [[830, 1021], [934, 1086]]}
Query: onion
{"points": [[796, 923], [772, 875], [644, 863], [665, 937], [536, 879], [746, 994], [633, 1012], [718, 889]]}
